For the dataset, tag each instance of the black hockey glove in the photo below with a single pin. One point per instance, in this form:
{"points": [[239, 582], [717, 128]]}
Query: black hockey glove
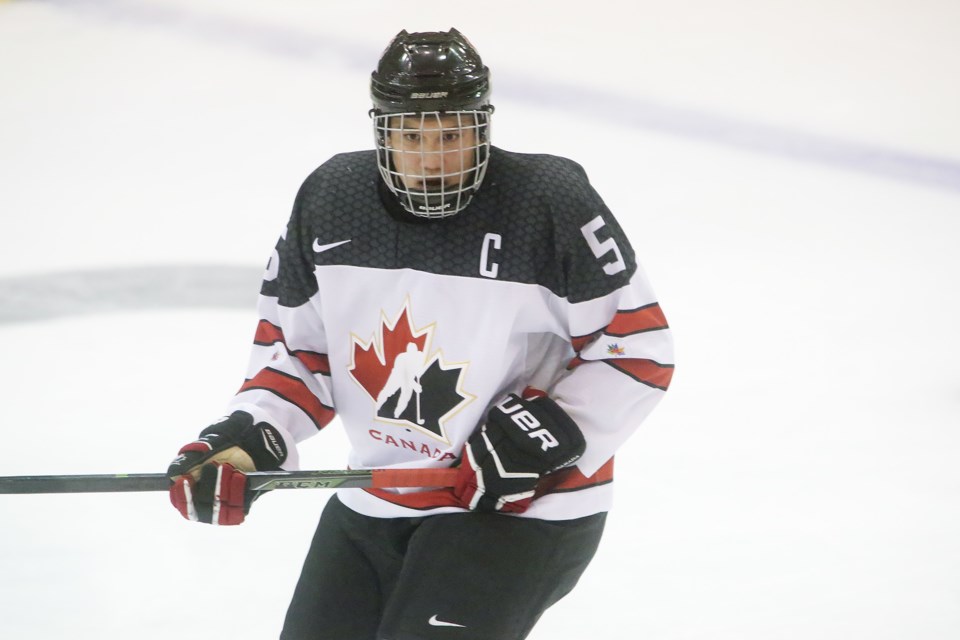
{"points": [[521, 441], [208, 483]]}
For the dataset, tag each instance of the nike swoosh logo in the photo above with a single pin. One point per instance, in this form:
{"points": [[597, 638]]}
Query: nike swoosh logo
{"points": [[440, 623], [320, 248]]}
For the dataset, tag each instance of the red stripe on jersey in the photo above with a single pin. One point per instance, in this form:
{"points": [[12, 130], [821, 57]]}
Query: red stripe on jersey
{"points": [[626, 323], [582, 341], [314, 362], [650, 373], [268, 334], [294, 391]]}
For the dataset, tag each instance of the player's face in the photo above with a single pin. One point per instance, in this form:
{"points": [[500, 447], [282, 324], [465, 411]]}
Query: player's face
{"points": [[431, 152]]}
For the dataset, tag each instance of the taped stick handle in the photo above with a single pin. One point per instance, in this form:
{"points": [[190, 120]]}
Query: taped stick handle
{"points": [[396, 478]]}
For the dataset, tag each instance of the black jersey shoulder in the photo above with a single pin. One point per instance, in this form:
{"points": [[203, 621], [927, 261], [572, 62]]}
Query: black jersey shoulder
{"points": [[331, 198], [550, 198], [341, 186], [535, 205]]}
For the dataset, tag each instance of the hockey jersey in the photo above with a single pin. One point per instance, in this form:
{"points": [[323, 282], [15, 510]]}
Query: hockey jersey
{"points": [[410, 330]]}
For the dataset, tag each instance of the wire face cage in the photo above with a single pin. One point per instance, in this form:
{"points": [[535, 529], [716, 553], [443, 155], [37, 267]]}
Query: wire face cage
{"points": [[433, 161]]}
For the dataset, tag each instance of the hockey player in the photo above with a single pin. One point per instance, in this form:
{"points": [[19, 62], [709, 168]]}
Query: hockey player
{"points": [[455, 305]]}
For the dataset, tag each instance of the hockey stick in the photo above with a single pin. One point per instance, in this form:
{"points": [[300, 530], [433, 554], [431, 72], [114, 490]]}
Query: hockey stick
{"points": [[258, 481], [420, 419]]}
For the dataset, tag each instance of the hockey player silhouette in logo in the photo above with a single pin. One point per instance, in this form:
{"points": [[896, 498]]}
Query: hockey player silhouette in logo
{"points": [[405, 378]]}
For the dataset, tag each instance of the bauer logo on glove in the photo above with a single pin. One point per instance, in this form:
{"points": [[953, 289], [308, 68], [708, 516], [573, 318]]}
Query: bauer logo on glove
{"points": [[521, 441]]}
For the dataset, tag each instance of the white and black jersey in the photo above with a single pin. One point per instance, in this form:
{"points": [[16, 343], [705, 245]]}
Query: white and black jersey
{"points": [[410, 330]]}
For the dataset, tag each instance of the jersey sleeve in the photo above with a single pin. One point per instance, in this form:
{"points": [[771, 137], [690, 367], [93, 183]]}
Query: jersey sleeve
{"points": [[287, 382], [623, 347]]}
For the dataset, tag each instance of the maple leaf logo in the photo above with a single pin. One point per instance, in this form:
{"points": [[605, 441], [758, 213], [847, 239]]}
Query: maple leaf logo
{"points": [[616, 350], [411, 386]]}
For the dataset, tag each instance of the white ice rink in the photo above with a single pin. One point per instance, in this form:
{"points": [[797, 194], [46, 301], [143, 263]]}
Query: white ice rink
{"points": [[789, 173]]}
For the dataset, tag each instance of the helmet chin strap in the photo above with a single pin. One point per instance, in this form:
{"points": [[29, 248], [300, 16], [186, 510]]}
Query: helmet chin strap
{"points": [[434, 204]]}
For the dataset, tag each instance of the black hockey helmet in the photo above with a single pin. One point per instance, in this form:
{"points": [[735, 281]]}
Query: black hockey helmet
{"points": [[427, 83], [430, 71]]}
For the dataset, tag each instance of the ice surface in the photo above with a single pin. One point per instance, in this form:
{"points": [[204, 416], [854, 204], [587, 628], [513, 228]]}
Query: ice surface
{"points": [[790, 178]]}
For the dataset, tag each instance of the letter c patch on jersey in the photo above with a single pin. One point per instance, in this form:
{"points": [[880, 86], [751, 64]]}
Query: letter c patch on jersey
{"points": [[489, 268]]}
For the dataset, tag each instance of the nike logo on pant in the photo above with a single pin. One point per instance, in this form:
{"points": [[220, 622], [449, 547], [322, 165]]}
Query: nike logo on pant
{"points": [[440, 623]]}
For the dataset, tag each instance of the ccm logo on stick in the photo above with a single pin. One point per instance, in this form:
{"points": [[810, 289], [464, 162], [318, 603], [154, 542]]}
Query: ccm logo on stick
{"points": [[525, 420]]}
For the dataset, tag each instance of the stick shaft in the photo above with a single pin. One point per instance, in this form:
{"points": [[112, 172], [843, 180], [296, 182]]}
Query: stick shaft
{"points": [[258, 481]]}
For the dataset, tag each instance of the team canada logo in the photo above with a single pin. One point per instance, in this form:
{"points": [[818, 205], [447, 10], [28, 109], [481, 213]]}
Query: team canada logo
{"points": [[410, 383]]}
